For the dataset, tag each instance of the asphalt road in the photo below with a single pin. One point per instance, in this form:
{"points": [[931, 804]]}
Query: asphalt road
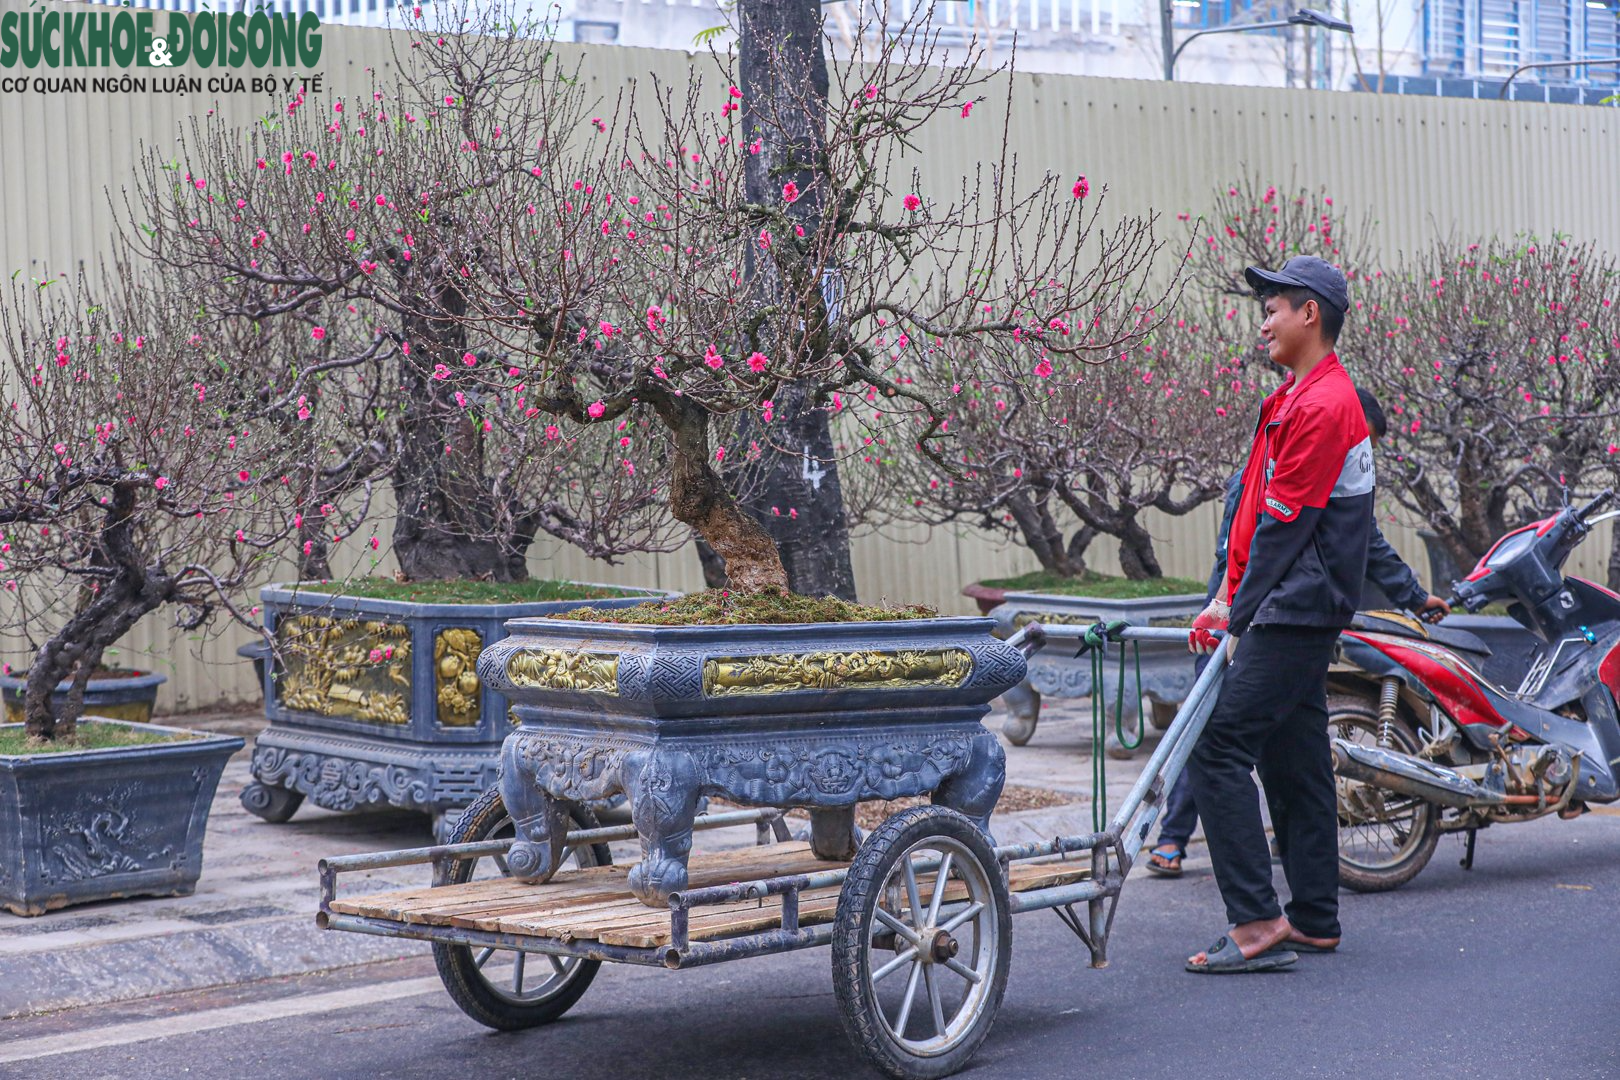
{"points": [[1512, 969]]}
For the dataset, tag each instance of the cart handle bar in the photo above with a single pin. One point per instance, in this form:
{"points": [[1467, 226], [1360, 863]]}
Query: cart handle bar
{"points": [[1032, 637]]}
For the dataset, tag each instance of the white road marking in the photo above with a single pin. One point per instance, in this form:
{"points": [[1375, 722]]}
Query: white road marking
{"points": [[254, 1012]]}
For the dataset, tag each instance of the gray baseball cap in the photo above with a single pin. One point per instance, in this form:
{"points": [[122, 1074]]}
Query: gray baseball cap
{"points": [[1304, 271]]}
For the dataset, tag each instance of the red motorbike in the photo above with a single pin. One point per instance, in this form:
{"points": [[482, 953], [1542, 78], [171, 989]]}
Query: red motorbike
{"points": [[1425, 744]]}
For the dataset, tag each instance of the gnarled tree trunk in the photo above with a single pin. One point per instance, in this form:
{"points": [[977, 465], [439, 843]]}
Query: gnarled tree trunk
{"points": [[796, 495], [1044, 538], [446, 518], [129, 592], [1136, 556], [698, 497]]}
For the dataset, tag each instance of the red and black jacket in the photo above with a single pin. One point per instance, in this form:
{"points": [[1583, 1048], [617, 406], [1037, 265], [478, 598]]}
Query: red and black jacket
{"points": [[1298, 551]]}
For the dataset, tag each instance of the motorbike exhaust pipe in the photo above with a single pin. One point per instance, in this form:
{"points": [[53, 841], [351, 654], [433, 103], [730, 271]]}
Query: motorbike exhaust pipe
{"points": [[1410, 776]]}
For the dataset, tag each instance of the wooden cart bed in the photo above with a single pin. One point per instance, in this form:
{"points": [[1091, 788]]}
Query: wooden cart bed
{"points": [[595, 903]]}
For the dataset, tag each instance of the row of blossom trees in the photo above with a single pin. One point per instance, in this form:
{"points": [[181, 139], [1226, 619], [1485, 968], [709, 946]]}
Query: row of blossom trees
{"points": [[1499, 364], [683, 310], [526, 311]]}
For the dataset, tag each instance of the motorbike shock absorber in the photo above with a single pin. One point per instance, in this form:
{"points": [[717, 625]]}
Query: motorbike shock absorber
{"points": [[1388, 698]]}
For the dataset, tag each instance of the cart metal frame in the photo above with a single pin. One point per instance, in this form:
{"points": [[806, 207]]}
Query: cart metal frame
{"points": [[1112, 854]]}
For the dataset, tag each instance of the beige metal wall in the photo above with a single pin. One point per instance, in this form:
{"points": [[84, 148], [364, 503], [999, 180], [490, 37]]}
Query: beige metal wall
{"points": [[1424, 165]]}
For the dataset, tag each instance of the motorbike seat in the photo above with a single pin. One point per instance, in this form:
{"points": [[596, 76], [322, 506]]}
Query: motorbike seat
{"points": [[1402, 625]]}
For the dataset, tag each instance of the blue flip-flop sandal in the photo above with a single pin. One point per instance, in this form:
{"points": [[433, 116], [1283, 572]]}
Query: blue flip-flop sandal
{"points": [[1167, 852]]}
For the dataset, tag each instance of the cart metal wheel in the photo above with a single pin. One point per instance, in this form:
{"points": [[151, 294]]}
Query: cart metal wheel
{"points": [[922, 943], [507, 989]]}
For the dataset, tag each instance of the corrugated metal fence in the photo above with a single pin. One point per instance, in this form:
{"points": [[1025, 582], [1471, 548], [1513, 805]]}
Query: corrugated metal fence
{"points": [[1422, 166]]}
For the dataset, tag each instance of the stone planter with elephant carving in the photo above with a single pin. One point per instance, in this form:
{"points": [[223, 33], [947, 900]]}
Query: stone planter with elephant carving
{"points": [[378, 702], [821, 716]]}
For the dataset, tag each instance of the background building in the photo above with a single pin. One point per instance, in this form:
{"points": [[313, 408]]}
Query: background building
{"points": [[1446, 48]]}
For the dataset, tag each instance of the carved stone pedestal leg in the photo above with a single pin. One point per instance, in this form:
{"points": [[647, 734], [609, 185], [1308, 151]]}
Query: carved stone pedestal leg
{"points": [[976, 788], [541, 823], [1023, 702], [832, 833], [663, 790]]}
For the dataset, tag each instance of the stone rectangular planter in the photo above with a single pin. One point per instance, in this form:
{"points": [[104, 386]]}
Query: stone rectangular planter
{"points": [[378, 701], [1167, 669], [819, 715], [98, 824]]}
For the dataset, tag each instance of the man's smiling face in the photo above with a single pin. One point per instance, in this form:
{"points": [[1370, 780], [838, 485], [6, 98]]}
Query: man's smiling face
{"points": [[1288, 332]]}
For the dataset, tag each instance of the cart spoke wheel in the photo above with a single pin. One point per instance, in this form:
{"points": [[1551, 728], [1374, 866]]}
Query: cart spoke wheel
{"points": [[899, 962], [925, 895], [499, 987]]}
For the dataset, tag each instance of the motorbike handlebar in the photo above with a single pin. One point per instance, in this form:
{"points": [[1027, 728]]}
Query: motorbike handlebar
{"points": [[1604, 497]]}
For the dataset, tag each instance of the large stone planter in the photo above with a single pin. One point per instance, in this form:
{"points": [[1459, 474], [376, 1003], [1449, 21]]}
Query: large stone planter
{"points": [[378, 702], [126, 695], [98, 824], [820, 716], [1167, 669]]}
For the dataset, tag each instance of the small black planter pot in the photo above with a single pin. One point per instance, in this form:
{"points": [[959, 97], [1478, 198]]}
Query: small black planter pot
{"points": [[378, 702], [88, 825], [128, 696]]}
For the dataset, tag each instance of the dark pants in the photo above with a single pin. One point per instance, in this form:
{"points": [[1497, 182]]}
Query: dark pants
{"points": [[1180, 808], [1180, 814], [1272, 715]]}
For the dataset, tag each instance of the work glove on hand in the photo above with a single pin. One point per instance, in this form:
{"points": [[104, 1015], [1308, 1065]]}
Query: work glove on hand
{"points": [[1212, 617]]}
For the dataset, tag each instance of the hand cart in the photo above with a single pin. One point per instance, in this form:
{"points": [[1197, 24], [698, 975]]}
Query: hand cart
{"points": [[919, 922]]}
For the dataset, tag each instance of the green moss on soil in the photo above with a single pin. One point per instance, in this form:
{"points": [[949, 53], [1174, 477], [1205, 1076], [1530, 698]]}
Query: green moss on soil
{"points": [[15, 740], [1102, 586], [464, 592], [721, 607]]}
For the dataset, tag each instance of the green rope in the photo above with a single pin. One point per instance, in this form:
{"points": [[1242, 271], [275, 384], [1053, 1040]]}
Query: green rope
{"points": [[1119, 707], [1095, 642]]}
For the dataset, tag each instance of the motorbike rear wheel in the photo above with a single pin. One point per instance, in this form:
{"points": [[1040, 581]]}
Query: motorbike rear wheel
{"points": [[1385, 838]]}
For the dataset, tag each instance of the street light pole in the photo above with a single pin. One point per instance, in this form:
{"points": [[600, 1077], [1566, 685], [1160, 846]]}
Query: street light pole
{"points": [[1608, 62], [1303, 17], [1167, 38]]}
